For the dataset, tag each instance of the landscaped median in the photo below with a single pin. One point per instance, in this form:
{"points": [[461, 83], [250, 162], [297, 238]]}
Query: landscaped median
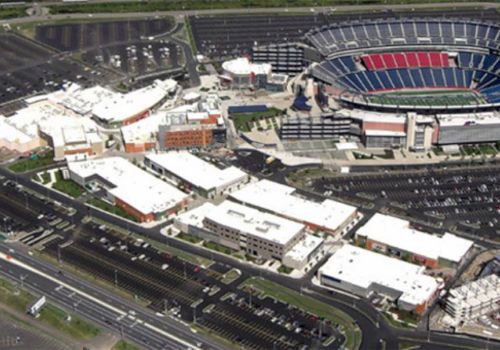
{"points": [[19, 300], [267, 288], [123, 345]]}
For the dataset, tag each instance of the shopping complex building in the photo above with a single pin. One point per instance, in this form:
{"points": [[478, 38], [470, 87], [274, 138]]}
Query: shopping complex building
{"points": [[134, 190], [198, 124], [329, 216], [196, 174], [363, 272], [127, 108], [256, 233], [395, 237]]}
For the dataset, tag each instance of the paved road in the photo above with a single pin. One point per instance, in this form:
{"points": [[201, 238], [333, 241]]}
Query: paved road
{"points": [[321, 9], [133, 322], [373, 326]]}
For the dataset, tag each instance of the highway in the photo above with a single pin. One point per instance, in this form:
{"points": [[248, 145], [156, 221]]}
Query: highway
{"points": [[140, 325], [376, 330]]}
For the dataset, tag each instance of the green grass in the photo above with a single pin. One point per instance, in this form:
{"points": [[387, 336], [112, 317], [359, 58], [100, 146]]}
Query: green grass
{"points": [[285, 270], [427, 98], [487, 150], [304, 302], [113, 209], [230, 276], [177, 5], [51, 315], [76, 327], [8, 296], [13, 12], [243, 121], [218, 248], [123, 345], [69, 187], [32, 163], [45, 177], [189, 238]]}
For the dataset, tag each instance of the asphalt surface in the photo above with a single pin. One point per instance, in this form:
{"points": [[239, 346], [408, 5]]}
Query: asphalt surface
{"points": [[372, 325], [116, 258], [461, 199]]}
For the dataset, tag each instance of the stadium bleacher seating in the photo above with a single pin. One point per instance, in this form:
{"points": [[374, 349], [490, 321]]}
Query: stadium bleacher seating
{"points": [[405, 59], [394, 32], [389, 66]]}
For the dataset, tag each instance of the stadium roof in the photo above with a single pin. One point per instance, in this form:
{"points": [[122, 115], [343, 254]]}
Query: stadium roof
{"points": [[281, 200], [196, 171], [254, 222], [242, 66], [397, 233], [139, 189], [363, 268]]}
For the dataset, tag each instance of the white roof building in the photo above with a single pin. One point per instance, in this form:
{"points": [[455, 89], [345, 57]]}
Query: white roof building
{"points": [[194, 217], [303, 252], [71, 134], [242, 66], [139, 189], [474, 298], [256, 223], [82, 101], [125, 106], [397, 233], [197, 172], [329, 215], [362, 271]]}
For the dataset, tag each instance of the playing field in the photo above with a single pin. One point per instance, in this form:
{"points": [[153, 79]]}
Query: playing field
{"points": [[427, 98]]}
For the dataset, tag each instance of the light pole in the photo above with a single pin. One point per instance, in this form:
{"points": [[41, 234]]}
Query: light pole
{"points": [[251, 292], [165, 306], [194, 314]]}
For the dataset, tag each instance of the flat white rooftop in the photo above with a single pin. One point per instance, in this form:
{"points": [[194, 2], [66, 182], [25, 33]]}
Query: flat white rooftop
{"points": [[363, 268], [11, 133], [124, 106], [139, 189], [195, 217], [304, 248], [196, 171], [280, 199], [251, 221], [397, 233]]}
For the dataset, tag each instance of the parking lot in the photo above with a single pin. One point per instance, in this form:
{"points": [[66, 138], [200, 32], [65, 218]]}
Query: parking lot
{"points": [[169, 284], [77, 36], [164, 282], [463, 199], [222, 36], [137, 57], [233, 35], [27, 68]]}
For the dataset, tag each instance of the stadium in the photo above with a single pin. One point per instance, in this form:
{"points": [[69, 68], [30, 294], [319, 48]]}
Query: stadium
{"points": [[395, 82], [422, 65]]}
